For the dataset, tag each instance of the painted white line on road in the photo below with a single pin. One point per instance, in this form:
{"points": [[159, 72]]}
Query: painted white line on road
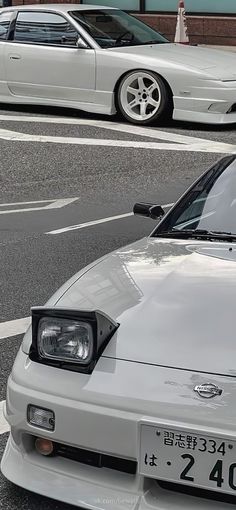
{"points": [[89, 224], [13, 328], [94, 222], [113, 126], [205, 146], [4, 427], [61, 202], [26, 203], [189, 143], [52, 204]]}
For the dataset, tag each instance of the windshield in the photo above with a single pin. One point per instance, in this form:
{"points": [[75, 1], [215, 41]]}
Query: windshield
{"points": [[209, 206], [111, 28]]}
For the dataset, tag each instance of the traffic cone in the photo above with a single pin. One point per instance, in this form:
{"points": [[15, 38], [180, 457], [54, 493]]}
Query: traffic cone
{"points": [[181, 34]]}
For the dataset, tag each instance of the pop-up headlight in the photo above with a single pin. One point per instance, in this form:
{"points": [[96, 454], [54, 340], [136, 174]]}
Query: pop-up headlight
{"points": [[70, 339], [65, 340]]}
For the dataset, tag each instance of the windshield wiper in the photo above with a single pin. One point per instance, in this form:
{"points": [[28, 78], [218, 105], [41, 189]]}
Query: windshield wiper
{"points": [[209, 235], [154, 41]]}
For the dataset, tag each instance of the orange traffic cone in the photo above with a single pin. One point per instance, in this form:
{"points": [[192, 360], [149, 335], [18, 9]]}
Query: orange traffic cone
{"points": [[181, 34]]}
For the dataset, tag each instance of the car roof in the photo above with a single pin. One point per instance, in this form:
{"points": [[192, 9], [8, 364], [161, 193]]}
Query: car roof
{"points": [[55, 7]]}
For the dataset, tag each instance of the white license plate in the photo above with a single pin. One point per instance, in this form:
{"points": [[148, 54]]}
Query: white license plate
{"points": [[182, 456]]}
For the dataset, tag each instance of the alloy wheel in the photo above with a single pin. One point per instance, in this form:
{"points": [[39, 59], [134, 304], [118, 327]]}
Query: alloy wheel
{"points": [[140, 96]]}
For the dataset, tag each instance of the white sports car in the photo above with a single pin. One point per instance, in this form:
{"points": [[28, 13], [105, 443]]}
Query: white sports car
{"points": [[123, 393], [103, 60]]}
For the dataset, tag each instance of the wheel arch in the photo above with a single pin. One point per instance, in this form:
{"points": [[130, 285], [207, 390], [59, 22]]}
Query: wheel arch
{"points": [[116, 88]]}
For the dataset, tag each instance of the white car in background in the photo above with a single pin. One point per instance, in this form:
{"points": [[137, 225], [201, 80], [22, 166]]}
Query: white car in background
{"points": [[103, 60], [123, 393]]}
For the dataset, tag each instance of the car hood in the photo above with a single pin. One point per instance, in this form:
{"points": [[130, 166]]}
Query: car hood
{"points": [[174, 301], [223, 62]]}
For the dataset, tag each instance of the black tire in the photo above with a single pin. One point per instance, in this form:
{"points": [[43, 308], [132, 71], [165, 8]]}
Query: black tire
{"points": [[165, 110]]}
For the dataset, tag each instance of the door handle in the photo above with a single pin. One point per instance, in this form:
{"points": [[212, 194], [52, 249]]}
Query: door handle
{"points": [[15, 57]]}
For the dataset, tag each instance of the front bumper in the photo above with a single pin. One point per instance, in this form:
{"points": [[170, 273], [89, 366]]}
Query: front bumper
{"points": [[91, 488], [207, 104], [102, 414]]}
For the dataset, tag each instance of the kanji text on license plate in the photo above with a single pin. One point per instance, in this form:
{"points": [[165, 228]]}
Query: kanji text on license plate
{"points": [[188, 458]]}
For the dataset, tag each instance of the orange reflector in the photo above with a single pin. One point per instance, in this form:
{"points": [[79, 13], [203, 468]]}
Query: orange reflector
{"points": [[44, 446]]}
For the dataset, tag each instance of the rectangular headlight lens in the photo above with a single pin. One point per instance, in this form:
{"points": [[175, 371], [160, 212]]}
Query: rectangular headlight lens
{"points": [[70, 339], [40, 417], [65, 340]]}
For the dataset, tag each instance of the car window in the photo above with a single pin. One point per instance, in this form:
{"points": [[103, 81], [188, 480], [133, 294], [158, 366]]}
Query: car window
{"points": [[112, 27], [209, 205], [5, 19], [194, 212], [44, 28]]}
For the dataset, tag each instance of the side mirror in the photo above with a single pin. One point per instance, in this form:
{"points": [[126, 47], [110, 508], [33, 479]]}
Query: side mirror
{"points": [[80, 43], [149, 210]]}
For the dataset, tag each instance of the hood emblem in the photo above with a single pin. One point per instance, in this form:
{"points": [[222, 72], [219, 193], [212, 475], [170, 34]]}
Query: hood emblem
{"points": [[208, 390]]}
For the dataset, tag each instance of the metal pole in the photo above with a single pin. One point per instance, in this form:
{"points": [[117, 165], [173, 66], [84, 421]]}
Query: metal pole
{"points": [[142, 5]]}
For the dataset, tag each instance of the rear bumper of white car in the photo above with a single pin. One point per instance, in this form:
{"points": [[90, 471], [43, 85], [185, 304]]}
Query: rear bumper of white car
{"points": [[206, 104], [101, 413]]}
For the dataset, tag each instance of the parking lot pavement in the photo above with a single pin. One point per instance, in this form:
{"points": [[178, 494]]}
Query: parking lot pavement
{"points": [[68, 182]]}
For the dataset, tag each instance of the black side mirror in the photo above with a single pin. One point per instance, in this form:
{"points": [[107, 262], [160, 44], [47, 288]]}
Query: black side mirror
{"points": [[149, 210]]}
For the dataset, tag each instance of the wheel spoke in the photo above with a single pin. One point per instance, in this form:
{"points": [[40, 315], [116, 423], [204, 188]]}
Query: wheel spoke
{"points": [[152, 102], [143, 108], [132, 91], [152, 88], [133, 103], [141, 84]]}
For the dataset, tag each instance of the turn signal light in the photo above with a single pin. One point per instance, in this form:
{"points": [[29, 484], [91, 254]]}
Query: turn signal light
{"points": [[40, 417], [44, 446]]}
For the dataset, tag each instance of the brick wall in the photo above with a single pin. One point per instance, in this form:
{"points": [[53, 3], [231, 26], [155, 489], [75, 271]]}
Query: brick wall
{"points": [[202, 29], [30, 2]]}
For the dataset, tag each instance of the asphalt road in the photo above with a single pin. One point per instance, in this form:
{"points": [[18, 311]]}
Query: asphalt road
{"points": [[105, 180]]}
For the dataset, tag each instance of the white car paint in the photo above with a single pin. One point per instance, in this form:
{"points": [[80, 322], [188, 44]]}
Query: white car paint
{"points": [[134, 379], [64, 74], [203, 81]]}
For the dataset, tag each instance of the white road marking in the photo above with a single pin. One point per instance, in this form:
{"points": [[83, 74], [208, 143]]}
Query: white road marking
{"points": [[13, 328], [52, 204], [205, 146], [181, 142], [95, 222], [112, 126], [27, 203], [61, 202], [89, 224], [4, 427]]}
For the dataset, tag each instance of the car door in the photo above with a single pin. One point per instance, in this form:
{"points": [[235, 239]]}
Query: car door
{"points": [[43, 60]]}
